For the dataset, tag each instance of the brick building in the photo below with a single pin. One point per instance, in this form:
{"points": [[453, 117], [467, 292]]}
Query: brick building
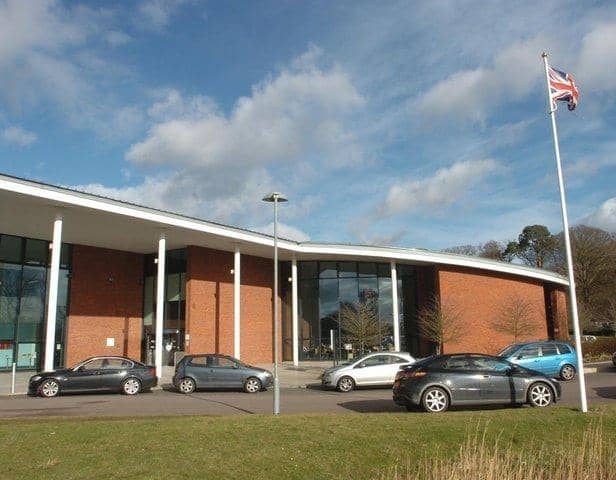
{"points": [[135, 281]]}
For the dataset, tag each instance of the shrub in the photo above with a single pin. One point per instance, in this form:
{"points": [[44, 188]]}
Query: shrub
{"points": [[601, 347]]}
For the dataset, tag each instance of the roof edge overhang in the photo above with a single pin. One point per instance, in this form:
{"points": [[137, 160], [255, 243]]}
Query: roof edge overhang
{"points": [[167, 220]]}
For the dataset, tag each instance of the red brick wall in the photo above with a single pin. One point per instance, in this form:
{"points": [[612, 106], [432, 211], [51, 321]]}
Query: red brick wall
{"points": [[209, 301], [99, 309], [256, 310], [478, 296], [560, 307]]}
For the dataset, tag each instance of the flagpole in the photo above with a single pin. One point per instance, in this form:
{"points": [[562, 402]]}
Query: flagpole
{"points": [[563, 205]]}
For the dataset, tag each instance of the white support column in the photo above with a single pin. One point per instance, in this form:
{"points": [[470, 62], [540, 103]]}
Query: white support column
{"points": [[294, 311], [52, 300], [237, 282], [394, 305], [160, 305]]}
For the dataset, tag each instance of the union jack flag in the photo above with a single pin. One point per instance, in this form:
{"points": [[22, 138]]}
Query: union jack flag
{"points": [[562, 88]]}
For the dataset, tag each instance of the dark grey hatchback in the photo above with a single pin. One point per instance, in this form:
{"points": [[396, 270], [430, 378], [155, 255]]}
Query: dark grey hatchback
{"points": [[219, 372], [435, 383], [96, 374]]}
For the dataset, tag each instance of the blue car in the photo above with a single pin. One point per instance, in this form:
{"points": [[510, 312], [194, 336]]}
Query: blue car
{"points": [[552, 358]]}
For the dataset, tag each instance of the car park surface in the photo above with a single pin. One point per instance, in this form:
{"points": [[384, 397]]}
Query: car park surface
{"points": [[601, 388]]}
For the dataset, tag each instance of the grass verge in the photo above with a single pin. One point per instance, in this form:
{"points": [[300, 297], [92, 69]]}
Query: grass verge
{"points": [[362, 446]]}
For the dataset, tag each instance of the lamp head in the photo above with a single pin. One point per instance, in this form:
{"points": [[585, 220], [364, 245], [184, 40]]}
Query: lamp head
{"points": [[275, 196]]}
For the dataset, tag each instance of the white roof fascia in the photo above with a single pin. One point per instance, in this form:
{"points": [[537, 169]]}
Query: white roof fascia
{"points": [[86, 200]]}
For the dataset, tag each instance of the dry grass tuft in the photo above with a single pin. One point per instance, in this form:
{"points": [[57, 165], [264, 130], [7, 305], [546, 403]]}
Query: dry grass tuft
{"points": [[480, 458]]}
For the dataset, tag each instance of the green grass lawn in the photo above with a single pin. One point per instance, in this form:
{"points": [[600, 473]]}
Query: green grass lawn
{"points": [[291, 446]]}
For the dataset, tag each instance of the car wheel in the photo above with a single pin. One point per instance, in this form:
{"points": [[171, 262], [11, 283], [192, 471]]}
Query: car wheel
{"points": [[567, 372], [540, 395], [345, 384], [49, 388], [187, 385], [252, 385], [435, 400], [131, 386]]}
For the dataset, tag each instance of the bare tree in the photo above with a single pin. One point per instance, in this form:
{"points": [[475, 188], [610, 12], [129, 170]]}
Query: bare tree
{"points": [[440, 323], [492, 249], [470, 250], [359, 323], [515, 318]]}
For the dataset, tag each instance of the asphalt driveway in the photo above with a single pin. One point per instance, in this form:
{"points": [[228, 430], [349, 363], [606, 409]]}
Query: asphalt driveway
{"points": [[601, 388]]}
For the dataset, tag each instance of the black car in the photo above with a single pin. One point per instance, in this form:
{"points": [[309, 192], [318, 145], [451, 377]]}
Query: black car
{"points": [[219, 372], [436, 383], [96, 374]]}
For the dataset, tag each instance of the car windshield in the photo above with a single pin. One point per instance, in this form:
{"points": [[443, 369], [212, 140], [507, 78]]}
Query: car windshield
{"points": [[509, 350]]}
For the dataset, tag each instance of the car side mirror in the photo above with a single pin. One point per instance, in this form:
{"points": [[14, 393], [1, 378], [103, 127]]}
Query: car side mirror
{"points": [[519, 357], [360, 365]]}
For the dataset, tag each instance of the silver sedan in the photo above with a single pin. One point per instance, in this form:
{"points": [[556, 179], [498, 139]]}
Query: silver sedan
{"points": [[374, 369]]}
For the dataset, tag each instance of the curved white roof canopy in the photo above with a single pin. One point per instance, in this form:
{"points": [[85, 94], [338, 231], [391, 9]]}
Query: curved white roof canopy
{"points": [[28, 208]]}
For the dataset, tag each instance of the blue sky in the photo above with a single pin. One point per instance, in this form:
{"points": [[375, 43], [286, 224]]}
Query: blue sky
{"points": [[420, 124]]}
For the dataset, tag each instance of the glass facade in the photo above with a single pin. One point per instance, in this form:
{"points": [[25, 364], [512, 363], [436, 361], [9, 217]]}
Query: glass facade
{"points": [[345, 309], [174, 323], [24, 275], [407, 308]]}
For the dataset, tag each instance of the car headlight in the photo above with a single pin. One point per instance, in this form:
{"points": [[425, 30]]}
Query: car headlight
{"points": [[36, 378]]}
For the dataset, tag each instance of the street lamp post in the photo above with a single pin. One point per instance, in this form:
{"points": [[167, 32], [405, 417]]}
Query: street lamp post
{"points": [[275, 198]]}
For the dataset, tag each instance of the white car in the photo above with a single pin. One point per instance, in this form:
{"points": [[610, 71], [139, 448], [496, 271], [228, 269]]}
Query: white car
{"points": [[374, 369]]}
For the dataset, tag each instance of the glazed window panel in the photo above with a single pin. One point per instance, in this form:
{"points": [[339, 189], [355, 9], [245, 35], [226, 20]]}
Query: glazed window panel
{"points": [[328, 270], [37, 252], [347, 269], [10, 248], [354, 301], [32, 304]]}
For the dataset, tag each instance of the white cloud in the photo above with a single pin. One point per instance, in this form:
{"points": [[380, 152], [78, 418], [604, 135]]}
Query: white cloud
{"points": [[284, 231], [156, 14], [299, 111], [18, 136], [48, 60], [116, 38], [604, 217], [472, 94], [219, 165], [597, 56], [223, 198], [445, 188]]}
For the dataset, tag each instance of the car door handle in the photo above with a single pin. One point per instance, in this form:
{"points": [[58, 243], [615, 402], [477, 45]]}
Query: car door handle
{"points": [[486, 376]]}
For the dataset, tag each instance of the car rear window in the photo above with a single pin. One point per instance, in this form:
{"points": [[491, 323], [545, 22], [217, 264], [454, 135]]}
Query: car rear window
{"points": [[113, 363], [460, 363], [198, 361], [548, 350], [396, 359]]}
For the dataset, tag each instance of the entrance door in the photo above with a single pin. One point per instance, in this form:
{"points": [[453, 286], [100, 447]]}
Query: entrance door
{"points": [[173, 341]]}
